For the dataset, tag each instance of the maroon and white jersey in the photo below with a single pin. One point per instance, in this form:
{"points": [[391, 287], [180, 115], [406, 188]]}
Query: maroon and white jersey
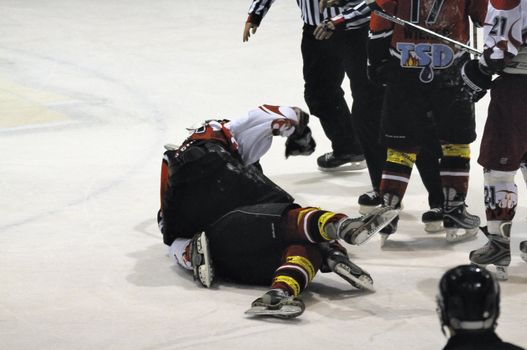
{"points": [[505, 33]]}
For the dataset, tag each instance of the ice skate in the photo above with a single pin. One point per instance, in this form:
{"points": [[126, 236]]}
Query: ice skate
{"points": [[359, 230], [389, 230], [338, 262], [357, 277], [433, 220], [331, 162], [496, 251], [523, 250], [369, 201], [201, 261], [459, 224], [276, 303]]}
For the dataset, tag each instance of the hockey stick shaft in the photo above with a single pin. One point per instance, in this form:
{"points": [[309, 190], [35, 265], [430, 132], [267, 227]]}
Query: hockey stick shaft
{"points": [[406, 23]]}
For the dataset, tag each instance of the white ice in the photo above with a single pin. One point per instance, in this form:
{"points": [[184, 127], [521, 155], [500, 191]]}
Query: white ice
{"points": [[89, 93]]}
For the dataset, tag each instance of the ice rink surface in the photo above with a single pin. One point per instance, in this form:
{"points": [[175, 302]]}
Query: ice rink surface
{"points": [[89, 93]]}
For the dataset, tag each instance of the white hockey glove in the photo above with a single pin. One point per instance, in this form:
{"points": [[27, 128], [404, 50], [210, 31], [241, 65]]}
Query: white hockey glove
{"points": [[476, 81]]}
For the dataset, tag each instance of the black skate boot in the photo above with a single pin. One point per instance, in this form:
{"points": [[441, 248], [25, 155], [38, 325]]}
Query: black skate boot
{"points": [[332, 162], [496, 251], [359, 230], [523, 250], [276, 303], [338, 261], [200, 259], [455, 218], [369, 201], [433, 220]]}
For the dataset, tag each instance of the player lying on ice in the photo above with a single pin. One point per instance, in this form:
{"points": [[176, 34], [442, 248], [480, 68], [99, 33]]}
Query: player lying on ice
{"points": [[217, 205]]}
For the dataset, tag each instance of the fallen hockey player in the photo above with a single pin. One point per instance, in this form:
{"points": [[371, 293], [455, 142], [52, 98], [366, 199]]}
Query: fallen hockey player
{"points": [[218, 206]]}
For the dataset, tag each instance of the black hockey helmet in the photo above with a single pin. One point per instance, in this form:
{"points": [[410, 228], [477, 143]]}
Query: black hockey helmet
{"points": [[468, 299]]}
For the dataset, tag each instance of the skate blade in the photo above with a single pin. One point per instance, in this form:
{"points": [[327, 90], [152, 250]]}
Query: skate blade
{"points": [[363, 282], [285, 311], [353, 166], [205, 271], [453, 237], [434, 227], [380, 219]]}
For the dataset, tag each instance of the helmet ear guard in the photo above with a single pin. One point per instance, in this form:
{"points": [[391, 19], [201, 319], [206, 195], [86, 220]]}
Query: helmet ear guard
{"points": [[468, 299]]}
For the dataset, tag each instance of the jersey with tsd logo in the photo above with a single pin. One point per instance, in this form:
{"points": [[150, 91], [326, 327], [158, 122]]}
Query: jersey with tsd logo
{"points": [[417, 50]]}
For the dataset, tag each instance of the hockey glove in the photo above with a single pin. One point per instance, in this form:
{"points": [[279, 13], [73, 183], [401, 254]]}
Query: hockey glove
{"points": [[324, 30], [476, 81], [300, 145]]}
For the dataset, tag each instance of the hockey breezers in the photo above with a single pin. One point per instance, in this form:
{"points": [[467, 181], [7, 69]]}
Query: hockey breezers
{"points": [[379, 11]]}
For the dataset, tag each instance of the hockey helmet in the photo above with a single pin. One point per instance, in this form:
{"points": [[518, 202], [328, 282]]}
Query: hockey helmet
{"points": [[468, 299]]}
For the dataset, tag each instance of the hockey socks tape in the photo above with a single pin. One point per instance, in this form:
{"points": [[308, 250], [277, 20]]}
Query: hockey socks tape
{"points": [[456, 150], [402, 158]]}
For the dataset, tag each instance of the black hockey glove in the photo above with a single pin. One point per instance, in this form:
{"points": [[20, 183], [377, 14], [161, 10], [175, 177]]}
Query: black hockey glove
{"points": [[300, 145], [476, 81]]}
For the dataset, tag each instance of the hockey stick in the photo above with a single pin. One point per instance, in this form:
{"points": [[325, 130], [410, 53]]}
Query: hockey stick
{"points": [[375, 8]]}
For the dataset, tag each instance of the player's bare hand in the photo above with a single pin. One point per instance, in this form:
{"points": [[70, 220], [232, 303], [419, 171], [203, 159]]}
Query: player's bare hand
{"points": [[324, 30], [250, 28], [324, 4]]}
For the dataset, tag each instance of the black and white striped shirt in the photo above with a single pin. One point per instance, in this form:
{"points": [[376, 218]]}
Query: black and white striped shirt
{"points": [[310, 11]]}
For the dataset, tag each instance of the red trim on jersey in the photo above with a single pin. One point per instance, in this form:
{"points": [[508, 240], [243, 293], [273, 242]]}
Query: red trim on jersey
{"points": [[274, 109], [505, 4], [164, 181]]}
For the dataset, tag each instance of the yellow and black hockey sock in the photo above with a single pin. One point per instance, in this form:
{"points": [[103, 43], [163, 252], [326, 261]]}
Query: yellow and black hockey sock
{"points": [[308, 224], [396, 174], [300, 263]]}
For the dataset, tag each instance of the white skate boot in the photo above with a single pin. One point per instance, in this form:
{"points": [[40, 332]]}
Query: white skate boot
{"points": [[496, 251], [201, 261], [276, 303], [359, 230]]}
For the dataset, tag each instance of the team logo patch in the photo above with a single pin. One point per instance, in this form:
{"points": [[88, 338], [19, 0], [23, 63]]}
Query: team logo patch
{"points": [[426, 57]]}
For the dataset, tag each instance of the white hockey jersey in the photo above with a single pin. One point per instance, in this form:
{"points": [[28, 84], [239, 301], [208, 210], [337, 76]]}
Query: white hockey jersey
{"points": [[505, 33], [254, 132]]}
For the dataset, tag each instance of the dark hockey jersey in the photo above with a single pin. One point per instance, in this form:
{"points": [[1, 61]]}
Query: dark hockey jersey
{"points": [[210, 174], [416, 50]]}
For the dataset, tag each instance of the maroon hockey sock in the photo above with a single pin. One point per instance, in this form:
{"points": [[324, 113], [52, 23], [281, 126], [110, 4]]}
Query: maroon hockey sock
{"points": [[307, 224], [300, 263], [396, 175]]}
